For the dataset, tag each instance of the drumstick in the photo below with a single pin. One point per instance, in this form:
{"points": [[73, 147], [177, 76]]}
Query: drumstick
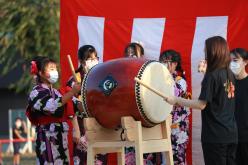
{"points": [[150, 88], [72, 68]]}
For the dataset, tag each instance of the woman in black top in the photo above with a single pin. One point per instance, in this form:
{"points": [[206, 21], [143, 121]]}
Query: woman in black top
{"points": [[239, 61], [219, 131]]}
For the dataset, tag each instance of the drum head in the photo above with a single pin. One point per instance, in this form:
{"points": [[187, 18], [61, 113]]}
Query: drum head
{"points": [[153, 108]]}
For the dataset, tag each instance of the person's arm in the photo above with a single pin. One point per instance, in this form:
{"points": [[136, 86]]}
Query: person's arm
{"points": [[75, 89], [43, 102], [195, 104], [19, 136], [206, 95], [80, 107], [202, 66], [24, 127], [76, 130]]}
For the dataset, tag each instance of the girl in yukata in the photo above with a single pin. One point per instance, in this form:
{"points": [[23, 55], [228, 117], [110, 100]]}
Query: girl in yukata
{"points": [[48, 109], [88, 58], [180, 114], [136, 50]]}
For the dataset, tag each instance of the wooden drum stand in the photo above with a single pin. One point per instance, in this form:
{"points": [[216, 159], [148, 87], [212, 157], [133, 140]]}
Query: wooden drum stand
{"points": [[144, 140]]}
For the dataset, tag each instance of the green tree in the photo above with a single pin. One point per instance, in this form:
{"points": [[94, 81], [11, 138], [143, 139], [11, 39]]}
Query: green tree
{"points": [[28, 28]]}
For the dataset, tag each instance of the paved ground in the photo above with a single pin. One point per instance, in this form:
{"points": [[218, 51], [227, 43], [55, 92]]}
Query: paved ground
{"points": [[25, 160], [196, 145], [196, 138]]}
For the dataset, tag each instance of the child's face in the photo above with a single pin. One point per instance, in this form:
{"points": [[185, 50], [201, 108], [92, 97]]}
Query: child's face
{"points": [[50, 67], [50, 74], [18, 123], [131, 52], [90, 62], [92, 57], [236, 58], [238, 64], [171, 66]]}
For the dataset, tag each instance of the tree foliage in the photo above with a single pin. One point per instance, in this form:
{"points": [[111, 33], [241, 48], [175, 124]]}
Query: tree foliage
{"points": [[28, 28]]}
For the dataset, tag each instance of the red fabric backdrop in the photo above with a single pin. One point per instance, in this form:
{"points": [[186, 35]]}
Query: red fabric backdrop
{"points": [[178, 34]]}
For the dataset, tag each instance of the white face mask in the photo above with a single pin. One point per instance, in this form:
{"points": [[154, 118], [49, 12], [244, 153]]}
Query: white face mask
{"points": [[54, 75], [166, 65], [90, 63], [235, 67]]}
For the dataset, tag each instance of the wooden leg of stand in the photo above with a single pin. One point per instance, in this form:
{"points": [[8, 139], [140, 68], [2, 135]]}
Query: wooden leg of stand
{"points": [[90, 155], [167, 134], [121, 156], [138, 144], [169, 158]]}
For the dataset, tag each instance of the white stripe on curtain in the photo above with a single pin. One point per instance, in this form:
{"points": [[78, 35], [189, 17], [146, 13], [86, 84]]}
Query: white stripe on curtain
{"points": [[205, 27], [91, 31], [149, 31]]}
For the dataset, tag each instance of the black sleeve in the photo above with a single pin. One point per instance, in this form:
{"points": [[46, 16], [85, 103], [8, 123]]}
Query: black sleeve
{"points": [[13, 129], [207, 88]]}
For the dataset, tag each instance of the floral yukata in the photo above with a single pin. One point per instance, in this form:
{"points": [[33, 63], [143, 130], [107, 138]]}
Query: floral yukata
{"points": [[179, 131], [180, 123], [149, 159], [45, 110], [80, 153]]}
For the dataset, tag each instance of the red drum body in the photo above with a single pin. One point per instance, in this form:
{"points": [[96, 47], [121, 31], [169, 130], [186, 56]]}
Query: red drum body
{"points": [[109, 92]]}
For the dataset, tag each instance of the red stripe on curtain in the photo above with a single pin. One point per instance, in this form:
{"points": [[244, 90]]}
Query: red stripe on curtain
{"points": [[68, 40], [117, 34], [237, 35], [152, 9]]}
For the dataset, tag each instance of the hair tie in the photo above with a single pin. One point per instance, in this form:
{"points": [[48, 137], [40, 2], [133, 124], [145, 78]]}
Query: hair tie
{"points": [[34, 69]]}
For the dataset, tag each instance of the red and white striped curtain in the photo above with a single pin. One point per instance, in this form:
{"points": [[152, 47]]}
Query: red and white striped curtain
{"points": [[109, 25]]}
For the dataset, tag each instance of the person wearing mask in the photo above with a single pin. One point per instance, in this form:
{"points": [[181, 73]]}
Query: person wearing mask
{"points": [[239, 57], [48, 111], [87, 57], [180, 114]]}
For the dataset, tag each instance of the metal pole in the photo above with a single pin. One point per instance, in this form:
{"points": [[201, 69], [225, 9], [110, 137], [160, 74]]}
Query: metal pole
{"points": [[10, 147]]}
